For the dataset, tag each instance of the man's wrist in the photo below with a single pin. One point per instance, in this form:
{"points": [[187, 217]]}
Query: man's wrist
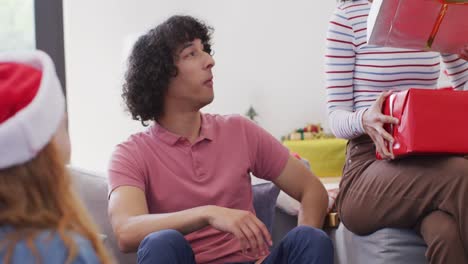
{"points": [[208, 213]]}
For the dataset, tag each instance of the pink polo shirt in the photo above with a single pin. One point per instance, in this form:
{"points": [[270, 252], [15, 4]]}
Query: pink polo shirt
{"points": [[176, 175]]}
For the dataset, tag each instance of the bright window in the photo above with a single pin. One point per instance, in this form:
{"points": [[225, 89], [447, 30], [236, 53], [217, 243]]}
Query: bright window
{"points": [[17, 26]]}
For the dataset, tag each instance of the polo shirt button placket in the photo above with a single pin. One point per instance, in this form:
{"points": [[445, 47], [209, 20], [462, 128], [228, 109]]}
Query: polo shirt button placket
{"points": [[195, 164]]}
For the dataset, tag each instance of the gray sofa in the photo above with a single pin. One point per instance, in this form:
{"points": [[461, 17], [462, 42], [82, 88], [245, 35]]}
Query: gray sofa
{"points": [[389, 246], [92, 188], [386, 246]]}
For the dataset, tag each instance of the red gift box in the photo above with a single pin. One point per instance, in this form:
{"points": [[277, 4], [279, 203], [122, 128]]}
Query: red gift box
{"points": [[439, 25], [431, 121]]}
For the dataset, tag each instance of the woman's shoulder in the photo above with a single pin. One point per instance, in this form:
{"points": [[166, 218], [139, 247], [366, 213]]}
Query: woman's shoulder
{"points": [[50, 247]]}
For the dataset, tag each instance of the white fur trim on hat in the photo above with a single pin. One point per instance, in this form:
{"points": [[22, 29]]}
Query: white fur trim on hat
{"points": [[24, 134]]}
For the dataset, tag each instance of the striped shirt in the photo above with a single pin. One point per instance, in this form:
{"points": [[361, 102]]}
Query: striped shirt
{"points": [[356, 73]]}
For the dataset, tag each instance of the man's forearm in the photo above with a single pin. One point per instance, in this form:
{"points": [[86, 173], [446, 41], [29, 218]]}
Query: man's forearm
{"points": [[314, 205], [136, 228]]}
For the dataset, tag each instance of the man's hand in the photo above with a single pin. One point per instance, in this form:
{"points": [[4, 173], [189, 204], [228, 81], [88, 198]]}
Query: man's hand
{"points": [[373, 121], [251, 232]]}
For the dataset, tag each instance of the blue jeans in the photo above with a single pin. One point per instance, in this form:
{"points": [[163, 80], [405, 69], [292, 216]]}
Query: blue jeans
{"points": [[303, 244]]}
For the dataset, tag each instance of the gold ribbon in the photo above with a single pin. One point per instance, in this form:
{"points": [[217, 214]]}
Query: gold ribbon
{"points": [[440, 18]]}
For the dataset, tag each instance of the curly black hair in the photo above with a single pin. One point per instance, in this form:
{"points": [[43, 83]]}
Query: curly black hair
{"points": [[151, 64]]}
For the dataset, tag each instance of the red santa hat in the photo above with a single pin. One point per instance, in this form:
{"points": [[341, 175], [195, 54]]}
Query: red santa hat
{"points": [[32, 105]]}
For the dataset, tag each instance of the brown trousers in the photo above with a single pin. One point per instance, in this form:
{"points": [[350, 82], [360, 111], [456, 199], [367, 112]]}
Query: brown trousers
{"points": [[428, 193]]}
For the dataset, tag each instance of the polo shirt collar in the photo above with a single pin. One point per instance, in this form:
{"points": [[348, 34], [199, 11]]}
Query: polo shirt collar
{"points": [[206, 131]]}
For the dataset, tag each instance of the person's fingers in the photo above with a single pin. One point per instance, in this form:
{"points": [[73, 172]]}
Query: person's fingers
{"points": [[388, 119], [379, 150], [260, 241], [266, 234], [381, 144], [251, 238], [390, 149], [388, 143], [263, 234], [387, 93], [380, 100], [242, 240], [372, 133], [384, 134]]}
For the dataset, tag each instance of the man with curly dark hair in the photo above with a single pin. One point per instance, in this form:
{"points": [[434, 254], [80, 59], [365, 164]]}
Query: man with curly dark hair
{"points": [[180, 192]]}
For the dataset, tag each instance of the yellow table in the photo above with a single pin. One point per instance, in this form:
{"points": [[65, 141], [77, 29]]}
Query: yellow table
{"points": [[326, 156]]}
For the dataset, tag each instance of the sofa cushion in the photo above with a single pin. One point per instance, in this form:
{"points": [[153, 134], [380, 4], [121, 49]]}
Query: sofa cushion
{"points": [[92, 189], [264, 201], [385, 246]]}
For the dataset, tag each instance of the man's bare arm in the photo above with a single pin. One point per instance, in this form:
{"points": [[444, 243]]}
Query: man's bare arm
{"points": [[297, 181], [131, 221]]}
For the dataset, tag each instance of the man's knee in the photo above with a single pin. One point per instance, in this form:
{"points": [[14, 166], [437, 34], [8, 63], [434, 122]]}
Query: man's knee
{"points": [[163, 239], [170, 243], [449, 234], [441, 234], [440, 230], [313, 239], [166, 246]]}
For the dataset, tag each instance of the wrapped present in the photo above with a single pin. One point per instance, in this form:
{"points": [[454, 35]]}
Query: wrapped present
{"points": [[313, 128], [309, 135], [431, 122], [295, 136], [311, 131], [439, 25]]}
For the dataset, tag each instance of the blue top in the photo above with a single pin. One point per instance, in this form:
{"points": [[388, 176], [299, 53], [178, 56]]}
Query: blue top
{"points": [[51, 249]]}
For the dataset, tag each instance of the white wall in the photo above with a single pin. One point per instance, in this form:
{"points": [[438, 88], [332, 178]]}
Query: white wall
{"points": [[269, 54]]}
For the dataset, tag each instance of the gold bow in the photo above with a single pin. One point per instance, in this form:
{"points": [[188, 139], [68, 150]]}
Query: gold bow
{"points": [[440, 17]]}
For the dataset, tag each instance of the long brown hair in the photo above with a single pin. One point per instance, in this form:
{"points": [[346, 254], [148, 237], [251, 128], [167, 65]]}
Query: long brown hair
{"points": [[38, 196]]}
